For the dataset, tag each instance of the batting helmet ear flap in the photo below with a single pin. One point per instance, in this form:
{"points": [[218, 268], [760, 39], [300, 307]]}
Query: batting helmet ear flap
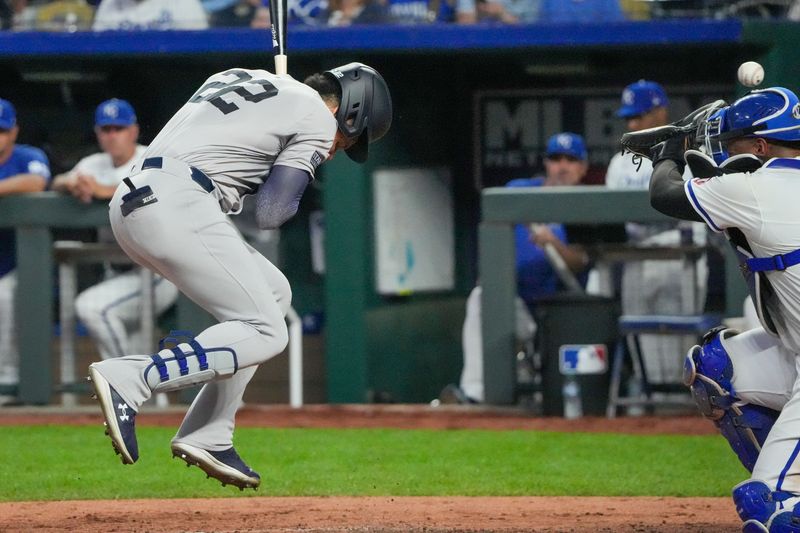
{"points": [[360, 150]]}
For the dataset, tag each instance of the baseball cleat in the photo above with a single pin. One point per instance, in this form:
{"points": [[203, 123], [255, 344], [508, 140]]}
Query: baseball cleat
{"points": [[120, 418], [225, 466]]}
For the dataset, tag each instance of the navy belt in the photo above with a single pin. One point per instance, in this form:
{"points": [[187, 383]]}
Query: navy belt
{"points": [[197, 175]]}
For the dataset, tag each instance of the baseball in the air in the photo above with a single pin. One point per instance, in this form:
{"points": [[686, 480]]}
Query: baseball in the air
{"points": [[750, 74]]}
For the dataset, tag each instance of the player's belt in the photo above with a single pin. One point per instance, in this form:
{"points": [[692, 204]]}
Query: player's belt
{"points": [[197, 175]]}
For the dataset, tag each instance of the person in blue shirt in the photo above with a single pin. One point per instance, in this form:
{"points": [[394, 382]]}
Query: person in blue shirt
{"points": [[566, 163], [23, 169]]}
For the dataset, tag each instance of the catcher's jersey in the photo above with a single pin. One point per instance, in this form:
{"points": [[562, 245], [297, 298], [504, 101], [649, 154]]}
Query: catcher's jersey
{"points": [[763, 206], [242, 122]]}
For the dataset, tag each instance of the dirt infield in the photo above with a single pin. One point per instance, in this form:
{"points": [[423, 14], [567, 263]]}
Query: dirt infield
{"points": [[394, 514]]}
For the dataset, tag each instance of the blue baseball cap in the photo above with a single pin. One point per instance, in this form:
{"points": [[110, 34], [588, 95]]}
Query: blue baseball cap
{"points": [[8, 115], [570, 144], [640, 97], [114, 112]]}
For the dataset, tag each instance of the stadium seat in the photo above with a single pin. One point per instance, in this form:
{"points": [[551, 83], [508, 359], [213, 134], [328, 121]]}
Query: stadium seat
{"points": [[630, 327]]}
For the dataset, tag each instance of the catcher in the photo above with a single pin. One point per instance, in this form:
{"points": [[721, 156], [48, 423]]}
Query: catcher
{"points": [[746, 184]]}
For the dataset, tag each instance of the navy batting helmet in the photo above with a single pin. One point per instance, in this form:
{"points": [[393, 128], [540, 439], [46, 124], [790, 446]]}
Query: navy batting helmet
{"points": [[772, 113], [365, 111]]}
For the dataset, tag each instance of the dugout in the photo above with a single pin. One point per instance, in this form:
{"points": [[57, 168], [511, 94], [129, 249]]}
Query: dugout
{"points": [[398, 347]]}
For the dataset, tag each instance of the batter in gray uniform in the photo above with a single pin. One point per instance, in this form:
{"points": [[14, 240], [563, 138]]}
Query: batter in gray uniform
{"points": [[243, 132]]}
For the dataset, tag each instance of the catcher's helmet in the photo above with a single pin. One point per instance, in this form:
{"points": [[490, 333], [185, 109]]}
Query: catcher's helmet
{"points": [[772, 113], [365, 111]]}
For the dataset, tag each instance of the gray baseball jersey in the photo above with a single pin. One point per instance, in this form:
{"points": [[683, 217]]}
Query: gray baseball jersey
{"points": [[235, 130], [170, 217]]}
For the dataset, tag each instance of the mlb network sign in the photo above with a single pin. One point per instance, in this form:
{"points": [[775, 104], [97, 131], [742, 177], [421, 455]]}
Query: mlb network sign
{"points": [[511, 128], [577, 359]]}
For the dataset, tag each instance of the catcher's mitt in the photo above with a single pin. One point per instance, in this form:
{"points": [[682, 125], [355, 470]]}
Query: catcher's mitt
{"points": [[641, 142]]}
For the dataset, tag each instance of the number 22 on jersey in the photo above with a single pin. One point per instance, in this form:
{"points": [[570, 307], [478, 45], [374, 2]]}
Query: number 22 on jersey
{"points": [[235, 86]]}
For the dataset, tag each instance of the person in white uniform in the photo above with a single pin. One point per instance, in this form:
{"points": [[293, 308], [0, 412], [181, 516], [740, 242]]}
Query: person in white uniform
{"points": [[655, 287], [243, 132], [747, 382], [110, 310]]}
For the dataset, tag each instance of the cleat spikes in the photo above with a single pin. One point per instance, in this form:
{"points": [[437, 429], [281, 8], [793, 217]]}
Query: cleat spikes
{"points": [[88, 378], [93, 396]]}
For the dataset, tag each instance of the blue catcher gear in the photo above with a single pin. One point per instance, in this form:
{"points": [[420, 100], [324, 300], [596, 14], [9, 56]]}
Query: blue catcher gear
{"points": [[772, 113], [756, 504], [708, 372], [787, 521]]}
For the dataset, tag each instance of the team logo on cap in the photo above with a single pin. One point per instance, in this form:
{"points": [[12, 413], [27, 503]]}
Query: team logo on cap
{"points": [[564, 141], [796, 111], [627, 97], [111, 111]]}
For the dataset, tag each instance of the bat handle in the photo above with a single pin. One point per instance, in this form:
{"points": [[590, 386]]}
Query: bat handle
{"points": [[280, 64]]}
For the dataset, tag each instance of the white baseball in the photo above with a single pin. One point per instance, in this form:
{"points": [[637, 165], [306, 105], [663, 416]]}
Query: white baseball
{"points": [[750, 74]]}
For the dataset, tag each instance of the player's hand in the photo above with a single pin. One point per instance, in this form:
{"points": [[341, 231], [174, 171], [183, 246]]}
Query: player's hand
{"points": [[541, 234], [84, 188]]}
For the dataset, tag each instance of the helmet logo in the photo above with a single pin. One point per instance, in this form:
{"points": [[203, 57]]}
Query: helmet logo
{"points": [[796, 111], [336, 72]]}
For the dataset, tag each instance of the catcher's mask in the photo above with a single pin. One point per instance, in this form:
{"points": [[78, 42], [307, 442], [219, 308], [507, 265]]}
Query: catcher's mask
{"points": [[772, 113], [365, 111]]}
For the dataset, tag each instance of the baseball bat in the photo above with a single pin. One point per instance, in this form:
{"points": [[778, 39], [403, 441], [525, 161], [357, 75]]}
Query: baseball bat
{"points": [[277, 15], [559, 265]]}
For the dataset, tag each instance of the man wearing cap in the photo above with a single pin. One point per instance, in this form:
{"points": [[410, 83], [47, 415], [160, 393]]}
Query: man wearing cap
{"points": [[654, 287], [565, 163], [97, 176], [23, 169], [110, 308]]}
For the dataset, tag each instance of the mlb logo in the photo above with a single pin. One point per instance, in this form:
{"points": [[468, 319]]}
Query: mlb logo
{"points": [[577, 359]]}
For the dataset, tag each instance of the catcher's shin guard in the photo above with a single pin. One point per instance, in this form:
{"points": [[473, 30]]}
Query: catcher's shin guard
{"points": [[188, 364], [708, 372], [786, 521]]}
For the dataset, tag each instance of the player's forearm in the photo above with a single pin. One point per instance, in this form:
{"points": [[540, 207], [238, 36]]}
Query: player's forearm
{"points": [[667, 193], [279, 197], [22, 183], [63, 182], [104, 192], [574, 256]]}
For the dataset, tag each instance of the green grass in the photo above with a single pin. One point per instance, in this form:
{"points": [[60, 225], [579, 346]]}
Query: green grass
{"points": [[60, 462]]}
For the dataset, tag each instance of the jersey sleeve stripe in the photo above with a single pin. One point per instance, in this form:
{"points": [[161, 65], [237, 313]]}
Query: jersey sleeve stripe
{"points": [[699, 208]]}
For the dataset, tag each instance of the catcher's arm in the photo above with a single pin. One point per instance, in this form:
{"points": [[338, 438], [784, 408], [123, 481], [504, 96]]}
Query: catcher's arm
{"points": [[667, 194]]}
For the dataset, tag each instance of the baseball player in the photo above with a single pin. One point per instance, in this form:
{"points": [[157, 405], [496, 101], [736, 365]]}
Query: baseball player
{"points": [[243, 132], [110, 308], [23, 169], [747, 382], [566, 163], [654, 287]]}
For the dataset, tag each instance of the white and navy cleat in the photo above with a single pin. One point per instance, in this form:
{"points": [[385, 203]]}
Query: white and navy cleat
{"points": [[225, 466], [120, 418]]}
